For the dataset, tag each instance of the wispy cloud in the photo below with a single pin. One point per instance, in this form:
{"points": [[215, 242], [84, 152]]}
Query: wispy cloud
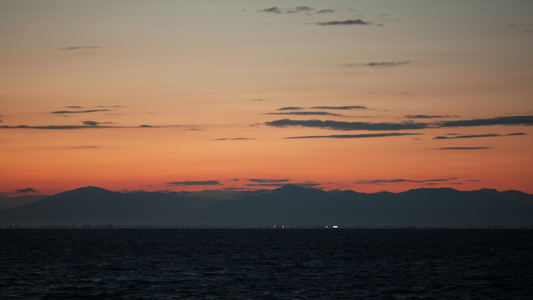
{"points": [[340, 107], [463, 148], [306, 113], [290, 108], [78, 111], [192, 183], [298, 9], [381, 181], [295, 10], [337, 125], [352, 136], [268, 180], [440, 137], [429, 116], [345, 22], [90, 123], [86, 125], [381, 64], [81, 47], [26, 190], [512, 120], [73, 106], [274, 10], [279, 183]]}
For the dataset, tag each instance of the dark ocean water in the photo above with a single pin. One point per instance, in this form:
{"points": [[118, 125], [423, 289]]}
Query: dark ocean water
{"points": [[266, 264]]}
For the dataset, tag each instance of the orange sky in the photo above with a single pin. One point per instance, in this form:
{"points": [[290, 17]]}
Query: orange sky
{"points": [[183, 95]]}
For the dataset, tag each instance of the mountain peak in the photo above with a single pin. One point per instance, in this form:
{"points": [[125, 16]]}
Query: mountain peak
{"points": [[88, 190]]}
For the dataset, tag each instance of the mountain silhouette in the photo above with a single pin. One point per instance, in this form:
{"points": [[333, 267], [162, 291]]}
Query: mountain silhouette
{"points": [[288, 205]]}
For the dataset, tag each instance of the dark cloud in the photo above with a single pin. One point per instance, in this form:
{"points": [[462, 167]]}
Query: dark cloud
{"points": [[74, 106], [268, 180], [325, 11], [290, 108], [26, 190], [56, 127], [271, 10], [340, 107], [265, 184], [380, 181], [463, 148], [512, 120], [440, 137], [186, 183], [80, 47], [336, 125], [346, 22], [299, 9], [352, 136], [86, 125], [90, 123], [235, 139], [306, 113], [78, 111], [307, 184], [381, 64], [428, 116]]}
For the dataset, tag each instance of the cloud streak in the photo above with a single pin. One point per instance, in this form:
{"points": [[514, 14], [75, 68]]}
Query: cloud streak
{"points": [[340, 107], [440, 137], [512, 120], [345, 22], [352, 136], [299, 9], [463, 148], [86, 125], [345, 126], [383, 64], [194, 183], [307, 113], [78, 111], [428, 116], [81, 47], [268, 180], [381, 181], [295, 10], [290, 108]]}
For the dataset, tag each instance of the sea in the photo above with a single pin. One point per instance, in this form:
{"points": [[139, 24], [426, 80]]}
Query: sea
{"points": [[266, 264]]}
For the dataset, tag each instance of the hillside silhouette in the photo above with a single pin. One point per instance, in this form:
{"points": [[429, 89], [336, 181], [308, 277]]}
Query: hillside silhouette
{"points": [[288, 205]]}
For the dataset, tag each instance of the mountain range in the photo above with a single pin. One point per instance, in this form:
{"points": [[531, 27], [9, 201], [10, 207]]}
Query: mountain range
{"points": [[289, 205]]}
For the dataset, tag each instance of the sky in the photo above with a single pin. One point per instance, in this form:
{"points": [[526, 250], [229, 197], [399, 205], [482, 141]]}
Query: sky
{"points": [[241, 95]]}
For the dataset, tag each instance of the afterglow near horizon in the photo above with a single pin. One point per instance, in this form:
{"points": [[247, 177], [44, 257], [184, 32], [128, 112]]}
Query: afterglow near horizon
{"points": [[193, 95]]}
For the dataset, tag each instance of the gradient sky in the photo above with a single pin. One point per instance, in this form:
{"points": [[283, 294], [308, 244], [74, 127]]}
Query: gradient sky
{"points": [[192, 95]]}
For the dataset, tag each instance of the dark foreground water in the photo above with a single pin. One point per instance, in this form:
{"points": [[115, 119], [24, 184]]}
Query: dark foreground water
{"points": [[266, 264]]}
